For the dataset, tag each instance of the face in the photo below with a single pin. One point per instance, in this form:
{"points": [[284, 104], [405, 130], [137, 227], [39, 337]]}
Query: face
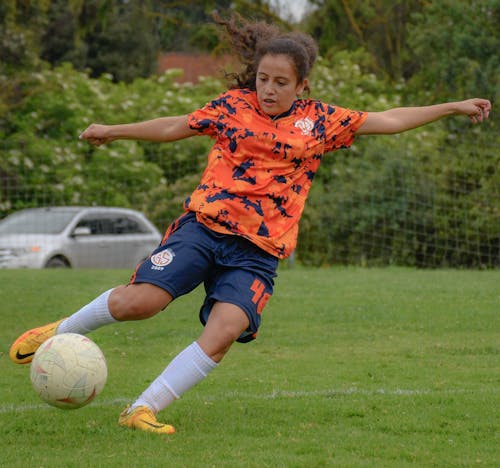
{"points": [[276, 84]]}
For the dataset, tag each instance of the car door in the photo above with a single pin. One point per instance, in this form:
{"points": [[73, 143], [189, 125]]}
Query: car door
{"points": [[95, 249], [133, 240]]}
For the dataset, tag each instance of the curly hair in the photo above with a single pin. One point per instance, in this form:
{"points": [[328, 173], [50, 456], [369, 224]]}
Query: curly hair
{"points": [[251, 41]]}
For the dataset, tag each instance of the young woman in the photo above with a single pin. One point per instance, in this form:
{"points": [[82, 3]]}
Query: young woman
{"points": [[244, 214]]}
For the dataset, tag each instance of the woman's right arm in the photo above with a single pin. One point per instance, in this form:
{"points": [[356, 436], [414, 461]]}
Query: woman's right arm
{"points": [[162, 129]]}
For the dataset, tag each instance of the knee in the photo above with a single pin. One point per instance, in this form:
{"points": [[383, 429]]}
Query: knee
{"points": [[123, 308], [217, 348], [229, 333], [133, 302], [225, 324]]}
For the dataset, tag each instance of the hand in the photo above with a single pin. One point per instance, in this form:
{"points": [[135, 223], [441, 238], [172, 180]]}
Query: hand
{"points": [[97, 134], [477, 109]]}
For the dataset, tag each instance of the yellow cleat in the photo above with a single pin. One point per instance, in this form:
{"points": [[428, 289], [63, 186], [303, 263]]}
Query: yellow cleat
{"points": [[23, 349], [144, 419]]}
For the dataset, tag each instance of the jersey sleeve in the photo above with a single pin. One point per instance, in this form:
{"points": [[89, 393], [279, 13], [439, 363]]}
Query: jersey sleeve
{"points": [[340, 126], [206, 119]]}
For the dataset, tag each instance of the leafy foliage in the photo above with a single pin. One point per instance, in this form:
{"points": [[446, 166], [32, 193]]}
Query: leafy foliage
{"points": [[117, 37], [409, 200], [378, 26], [44, 159], [455, 44], [429, 197]]}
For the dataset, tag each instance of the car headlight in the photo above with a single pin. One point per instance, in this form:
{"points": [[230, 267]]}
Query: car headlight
{"points": [[18, 251]]}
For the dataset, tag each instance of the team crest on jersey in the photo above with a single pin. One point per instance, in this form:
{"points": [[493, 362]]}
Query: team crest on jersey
{"points": [[305, 125], [162, 259]]}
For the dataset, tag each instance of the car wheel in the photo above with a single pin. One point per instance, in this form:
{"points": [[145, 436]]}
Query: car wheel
{"points": [[57, 262]]}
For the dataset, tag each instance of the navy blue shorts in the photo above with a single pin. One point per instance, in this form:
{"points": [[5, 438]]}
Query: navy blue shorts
{"points": [[232, 269]]}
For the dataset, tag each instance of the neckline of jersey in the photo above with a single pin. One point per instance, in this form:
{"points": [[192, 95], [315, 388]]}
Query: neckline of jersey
{"points": [[272, 118]]}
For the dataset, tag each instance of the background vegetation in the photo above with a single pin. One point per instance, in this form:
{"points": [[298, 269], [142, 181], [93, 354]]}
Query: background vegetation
{"points": [[428, 198]]}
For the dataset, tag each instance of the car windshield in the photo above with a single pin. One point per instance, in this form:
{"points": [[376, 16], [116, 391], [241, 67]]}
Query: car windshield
{"points": [[36, 222]]}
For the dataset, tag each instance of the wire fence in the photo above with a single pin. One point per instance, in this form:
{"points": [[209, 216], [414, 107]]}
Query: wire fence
{"points": [[365, 209]]}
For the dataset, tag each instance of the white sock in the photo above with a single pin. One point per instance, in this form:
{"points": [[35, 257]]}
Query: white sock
{"points": [[89, 317], [188, 368]]}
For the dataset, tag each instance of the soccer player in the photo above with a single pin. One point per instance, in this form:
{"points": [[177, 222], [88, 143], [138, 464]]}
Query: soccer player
{"points": [[244, 214]]}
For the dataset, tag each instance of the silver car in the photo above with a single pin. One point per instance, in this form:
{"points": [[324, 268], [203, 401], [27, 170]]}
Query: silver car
{"points": [[79, 237]]}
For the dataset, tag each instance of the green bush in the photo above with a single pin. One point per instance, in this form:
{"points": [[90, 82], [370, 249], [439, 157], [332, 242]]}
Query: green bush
{"points": [[43, 161], [409, 200], [427, 198]]}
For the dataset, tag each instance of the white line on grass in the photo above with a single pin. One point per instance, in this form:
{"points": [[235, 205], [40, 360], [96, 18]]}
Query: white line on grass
{"points": [[13, 408], [275, 394]]}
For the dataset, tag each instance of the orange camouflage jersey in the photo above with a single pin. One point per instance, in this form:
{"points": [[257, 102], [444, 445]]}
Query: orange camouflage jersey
{"points": [[261, 168]]}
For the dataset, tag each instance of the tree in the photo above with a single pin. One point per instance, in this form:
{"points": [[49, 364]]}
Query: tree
{"points": [[189, 26], [20, 27], [455, 45], [378, 26], [119, 37], [126, 44], [116, 37], [60, 41]]}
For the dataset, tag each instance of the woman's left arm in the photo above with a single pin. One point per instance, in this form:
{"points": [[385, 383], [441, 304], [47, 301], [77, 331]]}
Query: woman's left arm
{"points": [[400, 119]]}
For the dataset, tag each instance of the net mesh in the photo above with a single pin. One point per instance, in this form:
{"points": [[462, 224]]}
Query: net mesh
{"points": [[368, 208]]}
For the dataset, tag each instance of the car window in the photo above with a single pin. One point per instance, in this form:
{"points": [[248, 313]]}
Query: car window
{"points": [[44, 221], [94, 224], [127, 225], [112, 225]]}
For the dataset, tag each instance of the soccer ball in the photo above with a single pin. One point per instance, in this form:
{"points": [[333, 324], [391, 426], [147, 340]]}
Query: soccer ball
{"points": [[68, 371]]}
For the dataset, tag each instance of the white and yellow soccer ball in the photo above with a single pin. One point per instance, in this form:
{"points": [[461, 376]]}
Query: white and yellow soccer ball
{"points": [[68, 371]]}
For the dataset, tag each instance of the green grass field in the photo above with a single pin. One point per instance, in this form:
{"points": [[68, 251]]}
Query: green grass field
{"points": [[353, 367]]}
